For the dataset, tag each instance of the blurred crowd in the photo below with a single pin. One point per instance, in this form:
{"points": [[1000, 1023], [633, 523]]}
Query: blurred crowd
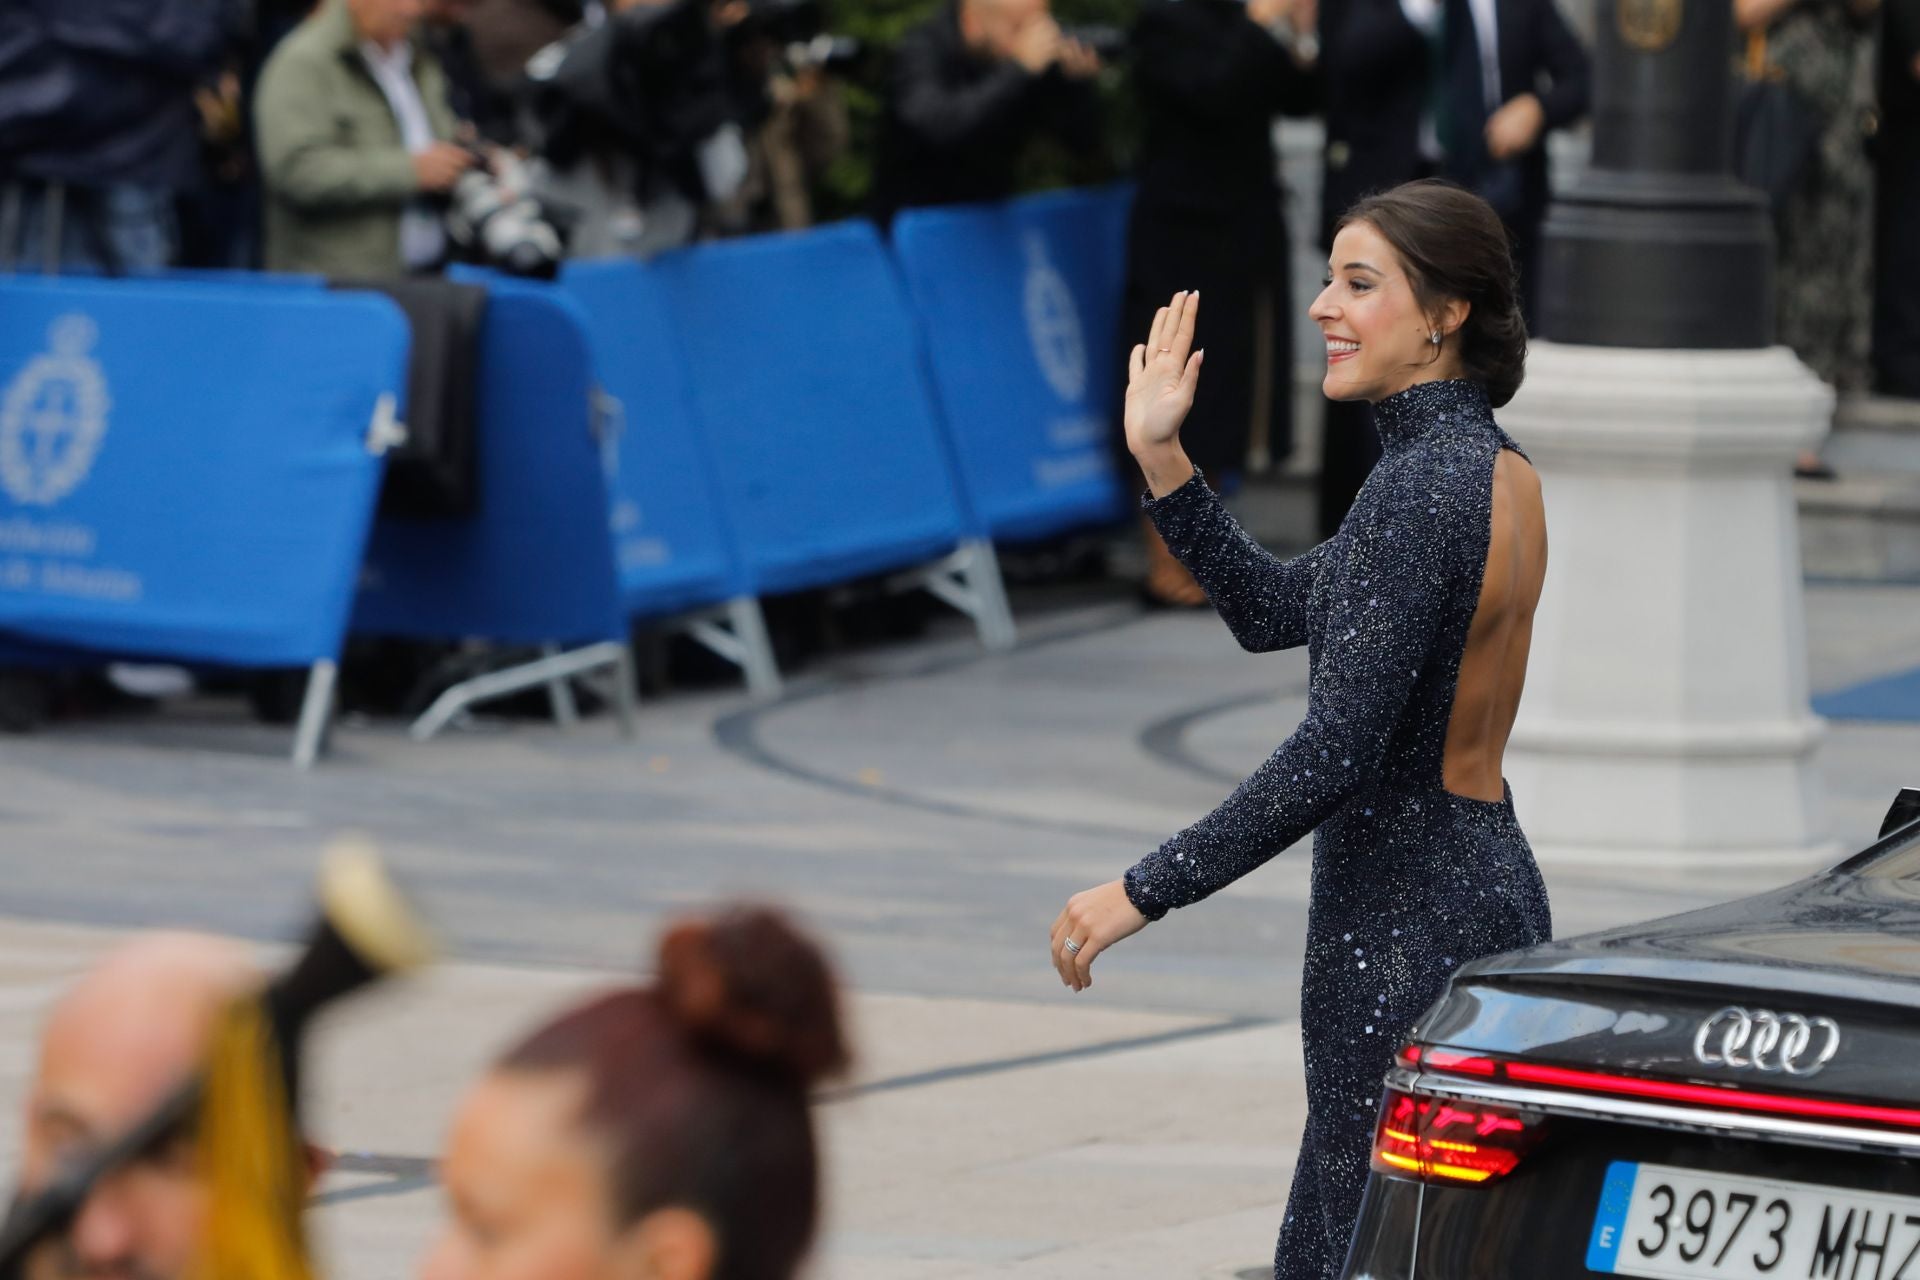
{"points": [[378, 138]]}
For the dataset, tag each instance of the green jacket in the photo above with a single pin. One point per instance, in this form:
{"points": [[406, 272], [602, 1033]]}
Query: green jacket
{"points": [[337, 177]]}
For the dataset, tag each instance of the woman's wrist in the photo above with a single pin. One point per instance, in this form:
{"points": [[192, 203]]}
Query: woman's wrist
{"points": [[1165, 467]]}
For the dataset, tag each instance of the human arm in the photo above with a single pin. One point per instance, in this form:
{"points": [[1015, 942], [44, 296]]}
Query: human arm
{"points": [[303, 161], [943, 115], [1261, 598], [1569, 70], [1216, 71], [1384, 609], [1758, 15], [182, 37]]}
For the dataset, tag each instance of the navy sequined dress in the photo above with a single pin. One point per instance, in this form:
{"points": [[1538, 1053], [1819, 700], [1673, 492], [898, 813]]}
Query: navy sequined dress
{"points": [[1410, 881]]}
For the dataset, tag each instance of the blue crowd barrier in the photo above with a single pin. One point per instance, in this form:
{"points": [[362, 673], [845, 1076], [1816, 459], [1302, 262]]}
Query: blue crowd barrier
{"points": [[802, 367], [676, 554], [806, 381], [1020, 304], [185, 469], [534, 565]]}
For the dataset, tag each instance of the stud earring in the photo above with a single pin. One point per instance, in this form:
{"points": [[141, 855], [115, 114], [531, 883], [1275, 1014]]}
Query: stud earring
{"points": [[1434, 337]]}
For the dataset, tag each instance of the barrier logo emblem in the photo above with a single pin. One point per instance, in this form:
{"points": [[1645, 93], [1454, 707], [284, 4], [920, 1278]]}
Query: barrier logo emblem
{"points": [[1053, 324], [53, 416]]}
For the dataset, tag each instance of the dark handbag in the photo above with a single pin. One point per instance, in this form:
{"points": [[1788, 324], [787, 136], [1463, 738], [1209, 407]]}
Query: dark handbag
{"points": [[1776, 131]]}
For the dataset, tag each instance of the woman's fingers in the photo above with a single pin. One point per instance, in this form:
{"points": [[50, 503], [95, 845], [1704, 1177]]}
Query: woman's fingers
{"points": [[1083, 963], [1154, 340], [1137, 363], [1179, 341], [1190, 378], [1057, 945]]}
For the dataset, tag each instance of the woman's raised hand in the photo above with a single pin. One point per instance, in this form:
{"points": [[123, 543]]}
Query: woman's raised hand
{"points": [[1161, 377], [1092, 922]]}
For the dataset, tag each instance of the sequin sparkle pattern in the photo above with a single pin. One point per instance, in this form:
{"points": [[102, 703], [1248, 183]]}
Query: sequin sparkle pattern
{"points": [[1409, 880]]}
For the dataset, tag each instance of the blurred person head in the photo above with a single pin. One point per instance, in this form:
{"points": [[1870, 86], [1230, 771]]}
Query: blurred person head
{"points": [[993, 27], [386, 22], [113, 1048], [659, 1132], [1421, 286]]}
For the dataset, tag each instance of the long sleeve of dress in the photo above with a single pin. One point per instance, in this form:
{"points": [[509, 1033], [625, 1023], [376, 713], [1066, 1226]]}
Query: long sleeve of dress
{"points": [[1261, 598], [1383, 609]]}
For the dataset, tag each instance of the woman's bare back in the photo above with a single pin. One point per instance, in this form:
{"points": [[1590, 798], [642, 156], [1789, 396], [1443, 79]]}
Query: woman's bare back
{"points": [[1493, 668]]}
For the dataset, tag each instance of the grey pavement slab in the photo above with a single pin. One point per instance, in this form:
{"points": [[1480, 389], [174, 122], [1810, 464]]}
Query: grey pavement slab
{"points": [[928, 809]]}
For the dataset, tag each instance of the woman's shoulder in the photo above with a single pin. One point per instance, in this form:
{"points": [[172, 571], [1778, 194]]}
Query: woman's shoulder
{"points": [[1434, 487]]}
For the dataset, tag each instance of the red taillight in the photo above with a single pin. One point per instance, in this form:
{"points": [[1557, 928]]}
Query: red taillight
{"points": [[1725, 1097], [1451, 1141]]}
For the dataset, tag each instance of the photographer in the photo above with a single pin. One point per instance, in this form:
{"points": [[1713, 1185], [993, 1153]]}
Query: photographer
{"points": [[633, 129], [356, 137], [784, 76], [968, 90]]}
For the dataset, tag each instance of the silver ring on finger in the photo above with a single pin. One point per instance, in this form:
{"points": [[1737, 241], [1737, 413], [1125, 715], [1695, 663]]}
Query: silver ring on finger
{"points": [[1073, 948]]}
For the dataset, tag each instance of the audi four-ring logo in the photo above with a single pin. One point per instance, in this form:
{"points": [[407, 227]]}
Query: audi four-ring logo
{"points": [[1763, 1040]]}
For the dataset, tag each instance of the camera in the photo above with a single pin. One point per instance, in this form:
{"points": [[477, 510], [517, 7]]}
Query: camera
{"points": [[650, 83], [834, 55], [492, 219], [1107, 42]]}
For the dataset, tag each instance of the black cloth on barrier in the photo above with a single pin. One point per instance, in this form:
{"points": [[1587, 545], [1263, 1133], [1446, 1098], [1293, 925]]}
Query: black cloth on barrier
{"points": [[436, 472]]}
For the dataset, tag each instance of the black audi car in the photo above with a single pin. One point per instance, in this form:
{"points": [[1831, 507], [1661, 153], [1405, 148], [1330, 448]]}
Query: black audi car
{"points": [[1731, 1093]]}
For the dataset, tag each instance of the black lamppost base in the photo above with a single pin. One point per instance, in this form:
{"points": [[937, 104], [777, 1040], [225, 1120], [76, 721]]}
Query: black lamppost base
{"points": [[1658, 260]]}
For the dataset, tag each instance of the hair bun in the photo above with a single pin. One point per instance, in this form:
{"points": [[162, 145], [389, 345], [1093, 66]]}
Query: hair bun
{"points": [[749, 983]]}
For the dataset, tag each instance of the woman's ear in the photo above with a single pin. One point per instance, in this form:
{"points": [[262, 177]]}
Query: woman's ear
{"points": [[674, 1243], [1453, 315]]}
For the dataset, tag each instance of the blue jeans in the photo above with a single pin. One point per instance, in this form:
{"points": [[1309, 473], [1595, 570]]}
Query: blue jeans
{"points": [[110, 230]]}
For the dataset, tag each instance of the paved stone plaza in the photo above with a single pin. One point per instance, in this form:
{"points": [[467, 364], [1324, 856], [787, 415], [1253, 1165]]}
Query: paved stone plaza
{"points": [[929, 809]]}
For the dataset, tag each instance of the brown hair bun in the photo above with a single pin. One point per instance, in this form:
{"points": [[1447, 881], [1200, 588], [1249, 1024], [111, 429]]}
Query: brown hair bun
{"points": [[750, 984]]}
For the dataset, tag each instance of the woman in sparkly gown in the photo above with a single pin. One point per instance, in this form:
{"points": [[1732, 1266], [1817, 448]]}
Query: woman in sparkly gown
{"points": [[1417, 617]]}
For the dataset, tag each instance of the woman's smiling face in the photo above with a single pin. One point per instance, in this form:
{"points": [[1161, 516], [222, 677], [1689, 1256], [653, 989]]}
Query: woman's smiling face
{"points": [[1379, 340]]}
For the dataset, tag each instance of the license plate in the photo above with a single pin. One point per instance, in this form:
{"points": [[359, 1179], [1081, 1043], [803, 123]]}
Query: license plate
{"points": [[1655, 1220]]}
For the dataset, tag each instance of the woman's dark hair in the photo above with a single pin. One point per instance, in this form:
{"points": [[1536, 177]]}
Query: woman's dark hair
{"points": [[1454, 246], [697, 1086]]}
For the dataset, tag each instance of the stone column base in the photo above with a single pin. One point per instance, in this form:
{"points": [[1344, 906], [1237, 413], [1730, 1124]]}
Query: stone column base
{"points": [[1666, 716]]}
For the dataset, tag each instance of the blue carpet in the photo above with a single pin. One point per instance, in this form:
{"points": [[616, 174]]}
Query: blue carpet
{"points": [[1894, 697]]}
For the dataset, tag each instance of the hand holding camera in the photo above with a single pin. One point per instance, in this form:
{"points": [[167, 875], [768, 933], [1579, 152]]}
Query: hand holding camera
{"points": [[439, 167]]}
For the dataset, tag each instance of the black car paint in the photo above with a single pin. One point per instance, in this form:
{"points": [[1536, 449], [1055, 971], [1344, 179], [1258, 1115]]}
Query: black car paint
{"points": [[1630, 1001]]}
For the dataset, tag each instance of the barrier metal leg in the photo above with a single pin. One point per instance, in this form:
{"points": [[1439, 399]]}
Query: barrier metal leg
{"points": [[528, 675], [316, 713], [625, 698], [737, 632], [969, 581], [566, 712]]}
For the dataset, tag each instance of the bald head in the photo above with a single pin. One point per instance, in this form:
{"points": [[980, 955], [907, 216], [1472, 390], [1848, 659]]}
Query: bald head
{"points": [[123, 1038]]}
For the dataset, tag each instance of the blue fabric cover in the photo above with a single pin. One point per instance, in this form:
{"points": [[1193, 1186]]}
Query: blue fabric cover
{"points": [[535, 564], [672, 545], [807, 382], [1019, 303], [183, 468]]}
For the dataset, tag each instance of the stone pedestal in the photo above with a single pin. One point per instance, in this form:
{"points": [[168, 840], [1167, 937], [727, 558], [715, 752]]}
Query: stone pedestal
{"points": [[1666, 714]]}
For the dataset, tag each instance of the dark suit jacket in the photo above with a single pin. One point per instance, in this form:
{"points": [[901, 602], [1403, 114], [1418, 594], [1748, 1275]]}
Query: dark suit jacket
{"points": [[1377, 66], [955, 122]]}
